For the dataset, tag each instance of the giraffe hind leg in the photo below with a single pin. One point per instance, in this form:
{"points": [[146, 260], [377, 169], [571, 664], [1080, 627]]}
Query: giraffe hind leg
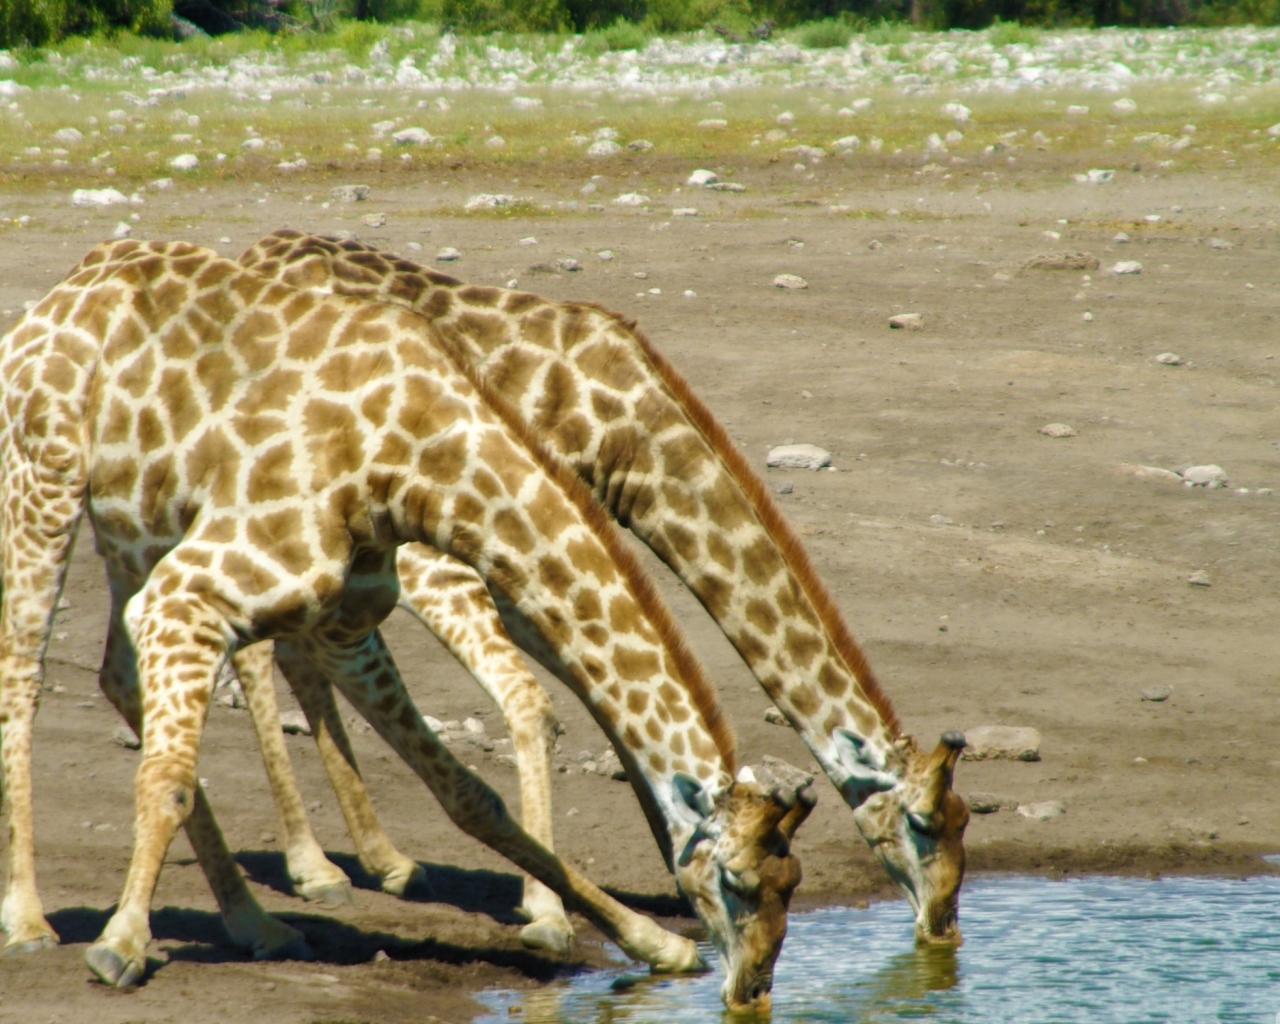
{"points": [[313, 875]]}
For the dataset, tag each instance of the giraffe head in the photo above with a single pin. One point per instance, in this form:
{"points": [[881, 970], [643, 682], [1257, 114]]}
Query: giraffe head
{"points": [[916, 827], [738, 871]]}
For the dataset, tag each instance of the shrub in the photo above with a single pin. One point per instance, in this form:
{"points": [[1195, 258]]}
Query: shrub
{"points": [[31, 22], [827, 34], [506, 15]]}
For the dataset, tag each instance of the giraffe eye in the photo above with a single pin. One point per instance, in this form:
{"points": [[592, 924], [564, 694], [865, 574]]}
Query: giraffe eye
{"points": [[918, 823]]}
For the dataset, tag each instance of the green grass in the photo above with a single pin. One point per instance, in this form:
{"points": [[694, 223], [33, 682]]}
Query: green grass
{"points": [[828, 34]]}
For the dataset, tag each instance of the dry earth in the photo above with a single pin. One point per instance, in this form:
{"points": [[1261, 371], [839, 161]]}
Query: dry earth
{"points": [[995, 575]]}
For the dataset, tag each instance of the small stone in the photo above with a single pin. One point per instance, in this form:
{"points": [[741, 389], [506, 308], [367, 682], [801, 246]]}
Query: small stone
{"points": [[295, 723], [1076, 110], [1062, 261], [798, 456], [701, 177], [1199, 578], [1098, 175], [122, 230], [374, 220], [713, 124], [775, 717], [1157, 693], [506, 760], [97, 197], [1211, 476], [1120, 238], [640, 146], [349, 193], [473, 726], [686, 211], [253, 143], [543, 268], [906, 322], [185, 162], [381, 957], [495, 142], [786, 117], [605, 147], [1151, 473], [774, 771], [989, 803], [1002, 742], [1139, 760], [568, 263], [1169, 359], [1087, 318], [68, 136], [632, 199], [487, 201], [605, 255], [786, 487], [875, 245], [1125, 106], [689, 293], [528, 240], [448, 254], [1127, 267], [1220, 243], [1057, 430], [726, 186], [411, 137], [1042, 811], [125, 737], [433, 723], [790, 281]]}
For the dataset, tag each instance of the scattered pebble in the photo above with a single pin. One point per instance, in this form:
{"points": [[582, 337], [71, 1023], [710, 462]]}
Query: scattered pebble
{"points": [[295, 723], [123, 230], [1125, 106], [568, 263], [701, 177], [1169, 359], [604, 147], [785, 487], [412, 137], [448, 254], [1210, 475], [989, 803], [1042, 811], [487, 201], [528, 240], [125, 737], [1002, 742], [798, 456], [1199, 578], [632, 199], [775, 717], [726, 186], [1157, 693], [68, 136], [1087, 318], [774, 771], [713, 124], [1057, 430], [1151, 473], [185, 162], [1127, 267], [686, 211], [1062, 261], [906, 322], [97, 197], [473, 726], [640, 145], [605, 255], [790, 281], [347, 193], [374, 220], [1096, 176], [1220, 243], [875, 245], [689, 293], [1120, 238]]}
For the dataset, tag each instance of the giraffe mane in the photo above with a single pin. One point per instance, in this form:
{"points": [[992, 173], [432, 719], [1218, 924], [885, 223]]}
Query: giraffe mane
{"points": [[601, 523], [793, 551]]}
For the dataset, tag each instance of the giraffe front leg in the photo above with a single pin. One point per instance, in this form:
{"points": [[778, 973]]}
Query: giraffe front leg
{"points": [[314, 876], [451, 599], [398, 874], [368, 677], [179, 644]]}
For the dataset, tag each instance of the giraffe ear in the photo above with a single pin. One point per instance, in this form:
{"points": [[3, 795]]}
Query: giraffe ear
{"points": [[691, 799], [864, 764]]}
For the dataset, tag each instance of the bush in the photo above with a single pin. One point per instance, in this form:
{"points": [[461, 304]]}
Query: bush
{"points": [[31, 22], [827, 34], [506, 15], [38, 22]]}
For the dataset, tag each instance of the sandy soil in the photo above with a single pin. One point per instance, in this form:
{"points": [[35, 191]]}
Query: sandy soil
{"points": [[995, 575]]}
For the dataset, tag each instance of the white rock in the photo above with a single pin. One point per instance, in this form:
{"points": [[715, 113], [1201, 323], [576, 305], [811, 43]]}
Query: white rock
{"points": [[382, 127], [1127, 267], [906, 322], [1120, 238], [374, 220], [1274, 131], [1156, 694], [604, 147], [1002, 742], [526, 102], [957, 111], [786, 117], [953, 138], [713, 124], [632, 199], [726, 186], [798, 456], [1199, 578], [1057, 430], [473, 726], [1151, 473], [97, 197], [569, 264], [689, 293], [605, 133], [251, 144], [350, 193], [185, 162], [68, 136], [1076, 110], [433, 723], [640, 145], [1099, 175], [775, 717], [448, 254], [1169, 359], [790, 281], [1125, 106], [412, 137], [605, 255], [847, 142], [295, 723], [1087, 318], [1220, 243], [686, 211], [126, 737], [1042, 811], [123, 230], [1210, 475], [488, 201], [495, 142], [528, 240], [701, 177]]}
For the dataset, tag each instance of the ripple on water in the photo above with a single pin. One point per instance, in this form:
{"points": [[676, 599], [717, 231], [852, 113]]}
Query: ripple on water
{"points": [[1091, 950]]}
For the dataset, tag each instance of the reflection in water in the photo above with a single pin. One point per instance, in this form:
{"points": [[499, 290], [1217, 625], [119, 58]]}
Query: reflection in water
{"points": [[1091, 951]]}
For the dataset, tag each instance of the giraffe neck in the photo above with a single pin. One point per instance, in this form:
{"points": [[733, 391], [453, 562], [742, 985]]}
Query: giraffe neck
{"points": [[655, 456]]}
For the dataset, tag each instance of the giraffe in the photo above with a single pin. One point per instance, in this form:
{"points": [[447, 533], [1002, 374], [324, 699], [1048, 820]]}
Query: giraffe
{"points": [[251, 457], [620, 416]]}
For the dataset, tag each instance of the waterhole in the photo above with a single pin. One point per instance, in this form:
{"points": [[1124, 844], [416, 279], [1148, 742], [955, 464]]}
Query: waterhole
{"points": [[1090, 950]]}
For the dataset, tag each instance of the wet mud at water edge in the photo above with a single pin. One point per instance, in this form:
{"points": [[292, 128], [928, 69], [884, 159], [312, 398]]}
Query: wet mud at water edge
{"points": [[1062, 579]]}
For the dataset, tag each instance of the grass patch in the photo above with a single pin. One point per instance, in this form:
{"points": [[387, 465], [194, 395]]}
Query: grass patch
{"points": [[827, 34]]}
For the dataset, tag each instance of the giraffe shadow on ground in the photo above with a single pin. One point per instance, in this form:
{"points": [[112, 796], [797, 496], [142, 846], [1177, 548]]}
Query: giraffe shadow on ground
{"points": [[197, 936]]}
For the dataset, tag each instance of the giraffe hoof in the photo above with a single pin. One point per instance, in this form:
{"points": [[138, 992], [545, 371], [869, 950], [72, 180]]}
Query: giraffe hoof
{"points": [[409, 882], [555, 936], [295, 950], [336, 895], [17, 947], [112, 967]]}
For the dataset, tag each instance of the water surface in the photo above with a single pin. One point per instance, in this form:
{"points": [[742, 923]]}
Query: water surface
{"points": [[1093, 951]]}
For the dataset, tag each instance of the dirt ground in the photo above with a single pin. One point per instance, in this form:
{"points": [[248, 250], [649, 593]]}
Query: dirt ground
{"points": [[995, 575]]}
